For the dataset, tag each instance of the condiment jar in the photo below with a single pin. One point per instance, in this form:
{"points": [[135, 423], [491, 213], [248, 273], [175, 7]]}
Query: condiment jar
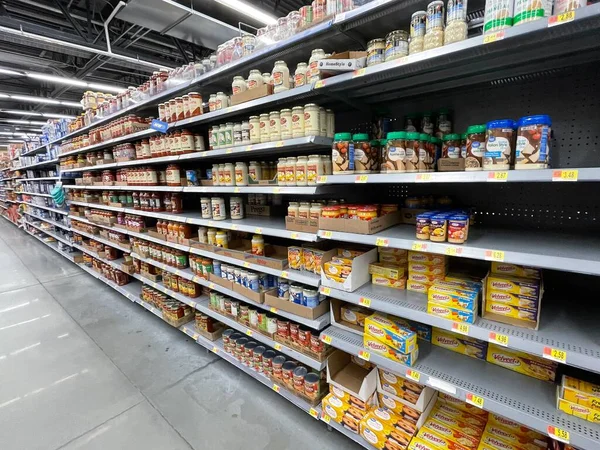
{"points": [[254, 125], [237, 134], [330, 123], [285, 123], [313, 74], [255, 79], [342, 153], [417, 32], [212, 102], [434, 26], [533, 142], [375, 52], [456, 22], [475, 147], [258, 245], [274, 126], [218, 208], [314, 169], [238, 85], [246, 133], [222, 101], [241, 174], [265, 129], [254, 171], [451, 146], [396, 45], [229, 175], [236, 207], [411, 160], [290, 171], [499, 144], [281, 77], [364, 158], [297, 121], [300, 74], [281, 163], [312, 126], [301, 171]]}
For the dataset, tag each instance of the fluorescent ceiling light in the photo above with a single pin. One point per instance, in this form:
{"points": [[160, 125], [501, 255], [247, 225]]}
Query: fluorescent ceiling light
{"points": [[250, 11], [49, 101], [106, 88], [55, 79], [58, 116], [20, 113], [23, 122], [11, 72], [4, 96], [65, 80]]}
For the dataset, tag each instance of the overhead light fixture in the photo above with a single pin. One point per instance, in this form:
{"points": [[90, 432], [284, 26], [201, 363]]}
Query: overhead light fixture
{"points": [[11, 72], [58, 116], [106, 88], [55, 79], [249, 10], [20, 113], [23, 122], [49, 101], [65, 80]]}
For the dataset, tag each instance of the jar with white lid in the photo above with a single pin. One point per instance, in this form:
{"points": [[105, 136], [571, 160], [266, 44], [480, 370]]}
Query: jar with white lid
{"points": [[327, 164], [221, 174], [285, 121], [246, 133], [315, 211], [215, 174], [304, 210], [267, 78], [314, 169], [322, 122], [281, 163], [300, 74], [221, 136], [254, 171], [274, 126], [434, 26], [330, 123], [236, 208], [311, 120], [290, 171], [254, 129], [456, 22], [417, 32], [281, 77], [199, 143], [238, 85], [241, 173], [293, 209], [228, 134], [298, 121], [265, 128], [255, 79], [229, 175], [212, 102], [222, 101], [218, 208], [214, 137], [313, 73], [237, 134], [205, 207], [301, 171]]}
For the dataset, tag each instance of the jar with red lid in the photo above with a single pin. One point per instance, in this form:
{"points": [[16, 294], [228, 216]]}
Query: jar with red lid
{"points": [[151, 176], [195, 104], [136, 200], [173, 175], [179, 108], [173, 110], [187, 142], [108, 176], [176, 203], [146, 153]]}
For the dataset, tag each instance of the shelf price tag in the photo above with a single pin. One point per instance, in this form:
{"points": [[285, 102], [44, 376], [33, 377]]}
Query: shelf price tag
{"points": [[215, 350], [363, 354], [322, 179], [229, 150], [284, 274], [497, 176], [325, 338], [423, 178], [497, 338], [258, 230], [454, 251], [277, 346], [359, 72], [494, 255], [279, 144], [565, 175], [273, 310], [325, 418], [413, 375], [561, 18], [246, 264], [249, 148], [234, 227], [361, 178], [211, 285], [493, 37], [294, 235], [249, 332], [381, 242], [558, 434], [461, 328], [313, 412], [327, 234], [419, 246], [325, 290], [474, 400], [555, 354], [276, 388], [319, 84], [236, 190], [276, 190], [364, 301]]}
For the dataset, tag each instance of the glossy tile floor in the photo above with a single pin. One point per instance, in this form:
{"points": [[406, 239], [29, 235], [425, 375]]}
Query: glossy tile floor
{"points": [[82, 367]]}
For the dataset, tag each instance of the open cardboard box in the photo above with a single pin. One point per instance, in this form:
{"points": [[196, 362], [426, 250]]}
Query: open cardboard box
{"points": [[390, 401], [238, 249], [349, 377], [276, 257], [219, 328], [251, 94], [258, 210], [271, 299], [335, 314], [343, 62], [358, 276], [451, 165], [359, 226], [427, 394], [258, 297], [409, 215], [220, 281], [302, 225]]}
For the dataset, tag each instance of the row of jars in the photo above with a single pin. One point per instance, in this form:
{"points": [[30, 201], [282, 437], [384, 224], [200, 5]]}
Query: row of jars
{"points": [[169, 144], [138, 176], [239, 174], [168, 305], [302, 170], [214, 208], [205, 323], [143, 201], [106, 270], [180, 108], [163, 254]]}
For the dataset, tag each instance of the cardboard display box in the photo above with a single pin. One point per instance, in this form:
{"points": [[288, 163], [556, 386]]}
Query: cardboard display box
{"points": [[426, 396], [336, 318], [179, 322], [409, 215], [343, 62], [302, 225], [359, 226], [258, 210], [271, 299], [251, 94], [451, 165], [258, 297], [220, 281], [359, 274], [349, 377], [219, 328]]}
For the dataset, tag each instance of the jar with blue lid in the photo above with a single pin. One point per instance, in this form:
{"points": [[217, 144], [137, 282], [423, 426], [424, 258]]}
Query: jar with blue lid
{"points": [[438, 228], [533, 142], [423, 225], [500, 140], [458, 228]]}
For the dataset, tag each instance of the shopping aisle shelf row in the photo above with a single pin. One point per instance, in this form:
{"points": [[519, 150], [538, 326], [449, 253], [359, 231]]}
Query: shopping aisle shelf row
{"points": [[523, 399], [110, 142], [50, 233], [52, 245], [565, 330], [272, 189], [51, 222], [25, 180], [48, 208], [39, 164], [36, 194]]}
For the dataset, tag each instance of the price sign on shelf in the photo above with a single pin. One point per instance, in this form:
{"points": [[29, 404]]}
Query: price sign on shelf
{"points": [[423, 177], [363, 354], [555, 354], [321, 179], [559, 19], [258, 230], [364, 301], [419, 246], [313, 412], [215, 350], [294, 235], [325, 338], [413, 375], [494, 255], [474, 400], [236, 190], [559, 434], [319, 84], [276, 388], [211, 285], [273, 310], [248, 148], [279, 144], [284, 274], [565, 175], [327, 234], [359, 72], [453, 251], [361, 178], [493, 37], [277, 346], [325, 418], [498, 176], [325, 290], [246, 264], [229, 150], [461, 328], [381, 242], [497, 338], [234, 227]]}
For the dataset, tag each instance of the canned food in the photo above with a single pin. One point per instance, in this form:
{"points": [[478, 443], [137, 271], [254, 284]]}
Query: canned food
{"points": [[257, 356], [311, 385], [240, 347], [298, 377], [304, 337], [267, 362], [283, 329], [227, 339], [316, 345], [278, 362], [249, 353], [288, 371], [294, 328]]}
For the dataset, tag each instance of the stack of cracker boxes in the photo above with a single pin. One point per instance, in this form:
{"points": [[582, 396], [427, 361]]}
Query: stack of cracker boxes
{"points": [[424, 269], [391, 337], [390, 270], [579, 398]]}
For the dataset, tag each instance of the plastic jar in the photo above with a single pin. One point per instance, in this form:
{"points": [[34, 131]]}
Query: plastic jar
{"points": [[285, 123], [237, 134], [342, 154], [238, 85], [314, 169], [212, 102], [434, 26], [221, 174], [290, 171], [300, 74], [475, 147], [367, 212], [498, 15], [438, 228], [218, 208], [173, 175], [195, 104], [424, 163], [222, 101], [254, 129], [281, 77], [312, 126], [236, 207], [533, 142], [417, 32], [228, 134], [458, 226], [412, 151], [315, 211], [500, 139], [229, 175], [274, 126], [241, 174], [396, 45], [423, 222], [255, 79], [298, 121], [463, 145], [265, 128], [375, 52], [451, 146], [293, 209], [221, 239], [258, 245], [205, 208], [456, 22], [530, 10], [267, 79], [304, 210], [254, 171], [364, 159], [313, 73], [301, 171], [322, 122]]}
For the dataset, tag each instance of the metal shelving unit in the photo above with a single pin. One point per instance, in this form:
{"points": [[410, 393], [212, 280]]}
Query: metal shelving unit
{"points": [[48, 208], [271, 189], [49, 233], [35, 194], [39, 164]]}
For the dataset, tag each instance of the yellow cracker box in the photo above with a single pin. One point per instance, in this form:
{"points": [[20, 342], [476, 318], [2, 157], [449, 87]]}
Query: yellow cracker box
{"points": [[433, 438], [392, 251], [456, 404], [421, 444], [458, 315], [464, 278], [450, 433], [513, 285], [392, 333], [396, 383], [515, 270], [349, 253], [410, 415], [354, 314], [422, 278], [493, 443], [455, 298], [351, 400], [514, 439], [457, 424], [337, 270], [458, 343], [516, 312], [295, 258], [387, 270], [381, 423], [583, 412], [580, 392], [393, 259], [342, 412], [378, 280], [521, 362], [476, 421], [426, 270], [427, 258], [506, 298], [376, 346], [514, 427], [421, 288], [463, 285]]}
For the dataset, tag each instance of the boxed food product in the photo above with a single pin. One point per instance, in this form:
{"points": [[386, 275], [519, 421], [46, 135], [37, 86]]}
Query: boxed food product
{"points": [[583, 412], [427, 258], [425, 269], [342, 412], [401, 390], [530, 365], [337, 270], [458, 315], [396, 383], [459, 284], [514, 439], [390, 332], [580, 392], [455, 298], [488, 442], [387, 270], [516, 270], [422, 278], [420, 444], [378, 280], [513, 285], [451, 434], [409, 414], [423, 330], [516, 312], [376, 346], [506, 298], [431, 438], [355, 314], [392, 251], [459, 343], [381, 424], [356, 277], [395, 259], [456, 407], [352, 400], [414, 286], [464, 278], [514, 427], [350, 253], [457, 423]]}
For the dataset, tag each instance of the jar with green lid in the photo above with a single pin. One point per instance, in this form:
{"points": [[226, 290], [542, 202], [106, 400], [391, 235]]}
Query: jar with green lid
{"points": [[342, 153], [382, 153], [412, 151], [436, 151], [393, 158], [463, 145], [375, 155], [424, 163], [364, 157], [475, 147], [451, 146]]}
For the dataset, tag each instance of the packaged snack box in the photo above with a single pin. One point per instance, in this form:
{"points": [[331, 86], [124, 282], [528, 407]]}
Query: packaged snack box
{"points": [[455, 404], [427, 258], [380, 424], [580, 392], [427, 270], [516, 312], [493, 443], [455, 298], [390, 332], [410, 415], [514, 439], [387, 270], [354, 314], [351, 400], [422, 278], [342, 412], [392, 251], [432, 438], [451, 434], [456, 423], [378, 280], [458, 343], [521, 362], [396, 383], [506, 298], [458, 315], [376, 346], [421, 288], [583, 412], [513, 285], [514, 427], [515, 270], [395, 259]]}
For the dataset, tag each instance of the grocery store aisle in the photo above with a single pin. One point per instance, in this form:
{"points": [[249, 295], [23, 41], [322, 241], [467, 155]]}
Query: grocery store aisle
{"points": [[84, 368]]}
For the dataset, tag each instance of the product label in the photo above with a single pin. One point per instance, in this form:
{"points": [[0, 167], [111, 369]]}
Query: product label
{"points": [[277, 78]]}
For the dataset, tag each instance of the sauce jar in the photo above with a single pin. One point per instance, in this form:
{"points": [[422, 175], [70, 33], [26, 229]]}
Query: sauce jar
{"points": [[375, 52], [367, 212], [274, 126], [533, 142], [265, 129], [255, 79], [238, 85], [195, 101], [413, 145], [300, 74], [298, 121], [475, 147], [396, 45], [342, 154], [458, 225], [312, 125], [364, 156], [254, 124], [438, 228], [285, 123], [417, 32], [423, 221], [281, 77]]}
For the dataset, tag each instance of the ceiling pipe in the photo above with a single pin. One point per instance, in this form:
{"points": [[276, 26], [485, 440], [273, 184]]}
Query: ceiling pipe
{"points": [[107, 22]]}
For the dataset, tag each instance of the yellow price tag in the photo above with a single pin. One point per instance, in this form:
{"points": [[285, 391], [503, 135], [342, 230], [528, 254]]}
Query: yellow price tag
{"points": [[381, 242], [284, 274], [322, 179], [497, 338], [453, 251], [234, 227], [325, 418], [313, 412], [195, 336], [461, 328], [423, 177], [325, 290], [413, 375], [277, 346], [565, 175], [419, 246], [249, 332], [273, 310], [493, 37], [279, 144], [364, 301], [276, 190], [497, 176], [229, 150], [249, 148], [475, 400], [327, 234], [363, 354], [361, 178], [319, 84], [246, 264], [215, 350], [236, 190], [211, 223], [559, 434], [561, 18], [258, 230], [359, 72], [494, 255], [196, 279], [276, 388], [211, 285], [177, 273], [325, 338], [294, 235], [555, 354]]}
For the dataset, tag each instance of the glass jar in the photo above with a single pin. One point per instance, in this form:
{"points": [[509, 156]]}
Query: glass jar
{"points": [[238, 85], [281, 163], [254, 129], [451, 146], [314, 169], [237, 134], [236, 207], [285, 123], [301, 171], [375, 52], [255, 171], [313, 73], [281, 77], [255, 79], [241, 174], [274, 126], [221, 174], [475, 147], [434, 26], [222, 101], [292, 210], [173, 175], [246, 133], [195, 104], [297, 121], [290, 171], [205, 208], [267, 79], [312, 126], [218, 208], [417, 32], [300, 74], [456, 22], [212, 102], [229, 175], [228, 134], [342, 153], [187, 142], [265, 129], [396, 45]]}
